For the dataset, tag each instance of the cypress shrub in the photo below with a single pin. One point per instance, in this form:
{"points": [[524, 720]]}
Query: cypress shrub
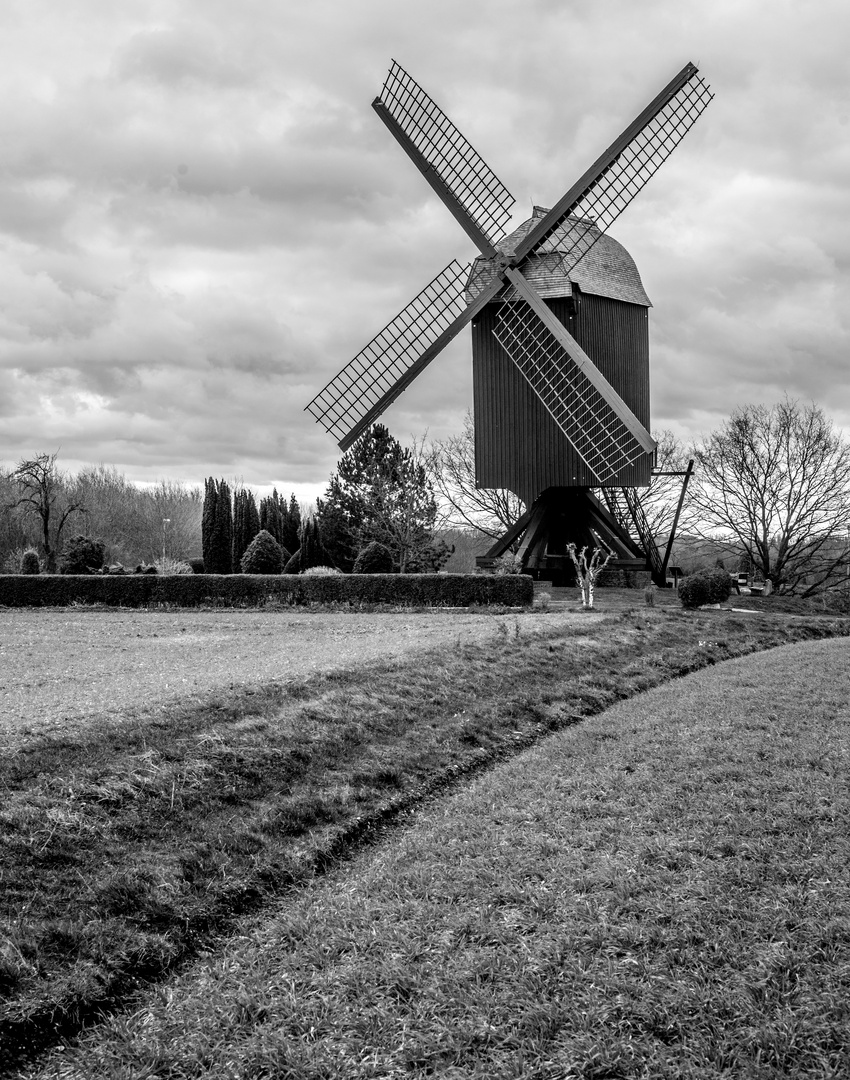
{"points": [[375, 558], [263, 555], [30, 562], [293, 564]]}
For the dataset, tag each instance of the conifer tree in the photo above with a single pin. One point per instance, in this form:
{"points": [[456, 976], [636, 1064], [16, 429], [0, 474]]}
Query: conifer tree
{"points": [[246, 525], [217, 527], [381, 491], [271, 516], [208, 522], [290, 537]]}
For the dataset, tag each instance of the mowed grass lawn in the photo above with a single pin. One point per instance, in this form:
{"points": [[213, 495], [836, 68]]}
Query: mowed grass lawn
{"points": [[659, 891]]}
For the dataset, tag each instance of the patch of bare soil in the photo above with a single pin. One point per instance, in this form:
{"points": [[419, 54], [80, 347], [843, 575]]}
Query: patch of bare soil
{"points": [[59, 666]]}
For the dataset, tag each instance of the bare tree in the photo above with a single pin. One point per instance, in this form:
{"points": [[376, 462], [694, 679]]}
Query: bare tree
{"points": [[42, 494], [776, 483], [451, 463]]}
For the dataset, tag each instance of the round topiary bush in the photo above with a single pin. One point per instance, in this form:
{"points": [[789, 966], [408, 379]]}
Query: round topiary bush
{"points": [[263, 555], [81, 555], [705, 587], [375, 558], [30, 563], [321, 571]]}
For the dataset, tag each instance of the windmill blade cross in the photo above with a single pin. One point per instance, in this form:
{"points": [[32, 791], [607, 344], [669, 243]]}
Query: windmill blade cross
{"points": [[455, 170], [614, 179]]}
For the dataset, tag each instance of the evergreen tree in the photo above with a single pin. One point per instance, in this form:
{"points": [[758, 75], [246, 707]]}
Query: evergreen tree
{"points": [[290, 537], [217, 527], [312, 550], [271, 515], [381, 491], [246, 524], [208, 522], [263, 555], [238, 528]]}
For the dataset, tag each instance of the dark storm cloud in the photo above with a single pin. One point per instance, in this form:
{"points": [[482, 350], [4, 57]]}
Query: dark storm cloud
{"points": [[201, 219]]}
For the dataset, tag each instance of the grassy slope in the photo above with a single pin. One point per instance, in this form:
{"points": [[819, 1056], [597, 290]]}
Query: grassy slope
{"points": [[663, 891], [123, 850]]}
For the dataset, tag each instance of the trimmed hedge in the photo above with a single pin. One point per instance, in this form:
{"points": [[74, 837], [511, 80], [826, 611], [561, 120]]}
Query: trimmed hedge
{"points": [[255, 590]]}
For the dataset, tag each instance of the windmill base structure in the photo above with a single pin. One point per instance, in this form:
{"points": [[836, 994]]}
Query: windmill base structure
{"points": [[557, 518], [560, 337]]}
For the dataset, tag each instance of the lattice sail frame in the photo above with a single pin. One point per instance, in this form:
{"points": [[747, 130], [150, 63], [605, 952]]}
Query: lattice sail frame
{"points": [[582, 412], [344, 401], [452, 157], [607, 197]]}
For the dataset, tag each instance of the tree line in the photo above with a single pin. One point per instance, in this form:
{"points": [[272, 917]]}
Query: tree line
{"points": [[770, 494]]}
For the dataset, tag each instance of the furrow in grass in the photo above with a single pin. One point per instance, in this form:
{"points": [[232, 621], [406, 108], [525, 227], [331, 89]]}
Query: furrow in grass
{"points": [[123, 851]]}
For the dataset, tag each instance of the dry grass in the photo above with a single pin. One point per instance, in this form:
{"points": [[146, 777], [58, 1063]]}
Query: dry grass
{"points": [[62, 666], [127, 843], [663, 891]]}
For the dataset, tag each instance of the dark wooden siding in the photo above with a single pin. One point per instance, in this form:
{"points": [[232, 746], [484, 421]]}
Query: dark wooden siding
{"points": [[517, 443]]}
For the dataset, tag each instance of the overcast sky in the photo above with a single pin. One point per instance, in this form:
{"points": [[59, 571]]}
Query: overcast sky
{"points": [[202, 219]]}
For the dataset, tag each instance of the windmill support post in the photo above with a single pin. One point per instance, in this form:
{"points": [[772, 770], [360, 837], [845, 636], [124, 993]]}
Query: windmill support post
{"points": [[687, 474], [561, 517]]}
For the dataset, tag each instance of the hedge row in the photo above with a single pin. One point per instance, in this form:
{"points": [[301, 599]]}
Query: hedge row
{"points": [[255, 590]]}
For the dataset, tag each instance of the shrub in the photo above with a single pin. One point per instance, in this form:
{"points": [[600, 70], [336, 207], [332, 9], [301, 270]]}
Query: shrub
{"points": [[509, 563], [321, 571], [167, 565], [705, 587], [375, 558], [263, 555], [30, 563], [81, 555], [293, 564]]}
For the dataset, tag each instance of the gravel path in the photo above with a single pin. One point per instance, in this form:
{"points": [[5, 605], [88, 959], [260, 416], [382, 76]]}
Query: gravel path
{"points": [[60, 665]]}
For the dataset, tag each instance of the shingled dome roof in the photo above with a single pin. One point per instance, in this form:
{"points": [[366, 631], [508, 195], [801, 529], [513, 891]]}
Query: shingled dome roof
{"points": [[606, 270]]}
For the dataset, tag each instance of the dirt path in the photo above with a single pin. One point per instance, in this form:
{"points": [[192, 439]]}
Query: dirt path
{"points": [[60, 665]]}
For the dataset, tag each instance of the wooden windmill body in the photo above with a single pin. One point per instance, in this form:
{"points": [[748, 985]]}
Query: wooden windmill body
{"points": [[559, 331]]}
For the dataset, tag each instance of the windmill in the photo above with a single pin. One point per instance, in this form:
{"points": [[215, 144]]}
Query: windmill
{"points": [[561, 383]]}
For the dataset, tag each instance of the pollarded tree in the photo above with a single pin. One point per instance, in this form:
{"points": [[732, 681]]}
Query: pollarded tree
{"points": [[776, 482], [41, 492]]}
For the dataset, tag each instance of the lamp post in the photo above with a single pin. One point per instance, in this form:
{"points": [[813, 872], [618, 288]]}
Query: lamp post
{"points": [[165, 521]]}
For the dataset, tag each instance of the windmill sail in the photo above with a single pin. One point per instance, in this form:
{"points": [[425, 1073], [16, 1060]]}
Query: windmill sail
{"points": [[444, 156], [370, 382], [611, 183], [576, 395]]}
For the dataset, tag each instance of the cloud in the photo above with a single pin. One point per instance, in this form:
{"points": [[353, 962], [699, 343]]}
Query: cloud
{"points": [[202, 220]]}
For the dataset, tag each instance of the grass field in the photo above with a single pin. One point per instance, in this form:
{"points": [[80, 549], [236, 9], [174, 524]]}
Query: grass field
{"points": [[129, 847], [663, 891]]}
